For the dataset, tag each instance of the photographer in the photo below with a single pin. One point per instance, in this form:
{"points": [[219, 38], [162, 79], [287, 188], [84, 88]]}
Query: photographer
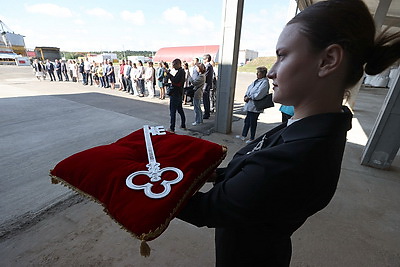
{"points": [[175, 92]]}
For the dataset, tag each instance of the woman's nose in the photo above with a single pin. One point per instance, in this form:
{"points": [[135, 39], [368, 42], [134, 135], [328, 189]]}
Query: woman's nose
{"points": [[271, 73]]}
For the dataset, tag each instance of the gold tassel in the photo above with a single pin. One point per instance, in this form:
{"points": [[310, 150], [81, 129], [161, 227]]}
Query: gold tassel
{"points": [[54, 180], [144, 249]]}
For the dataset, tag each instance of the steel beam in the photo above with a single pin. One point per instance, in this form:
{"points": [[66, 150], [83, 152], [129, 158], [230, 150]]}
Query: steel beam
{"points": [[384, 141], [227, 68]]}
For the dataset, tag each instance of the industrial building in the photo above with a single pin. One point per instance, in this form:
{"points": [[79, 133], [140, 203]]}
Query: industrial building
{"points": [[51, 53], [246, 55], [186, 53], [12, 47]]}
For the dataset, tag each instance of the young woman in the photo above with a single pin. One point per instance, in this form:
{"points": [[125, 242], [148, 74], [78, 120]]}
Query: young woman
{"points": [[95, 70], [160, 78], [165, 80], [38, 67], [75, 71], [198, 83], [186, 84], [274, 184], [111, 75]]}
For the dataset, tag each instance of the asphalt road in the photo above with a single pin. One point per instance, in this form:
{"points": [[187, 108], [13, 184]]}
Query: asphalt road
{"points": [[44, 122]]}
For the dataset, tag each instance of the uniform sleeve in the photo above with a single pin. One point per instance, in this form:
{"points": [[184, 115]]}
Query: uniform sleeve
{"points": [[248, 198], [277, 186]]}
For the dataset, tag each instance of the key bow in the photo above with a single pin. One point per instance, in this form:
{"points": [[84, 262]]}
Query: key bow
{"points": [[153, 168]]}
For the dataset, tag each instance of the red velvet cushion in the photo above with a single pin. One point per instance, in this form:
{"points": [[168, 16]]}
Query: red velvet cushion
{"points": [[101, 173]]}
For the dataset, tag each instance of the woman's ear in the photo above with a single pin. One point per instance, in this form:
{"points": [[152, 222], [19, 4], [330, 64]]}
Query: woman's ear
{"points": [[331, 59]]}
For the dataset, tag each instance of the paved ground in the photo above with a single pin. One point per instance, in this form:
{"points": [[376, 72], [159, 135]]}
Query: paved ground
{"points": [[43, 224]]}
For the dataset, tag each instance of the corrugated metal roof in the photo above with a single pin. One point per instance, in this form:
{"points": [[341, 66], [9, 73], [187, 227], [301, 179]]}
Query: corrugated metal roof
{"points": [[8, 55], [186, 53]]}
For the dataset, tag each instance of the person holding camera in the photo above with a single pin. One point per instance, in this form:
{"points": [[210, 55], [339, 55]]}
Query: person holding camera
{"points": [[175, 92], [198, 84]]}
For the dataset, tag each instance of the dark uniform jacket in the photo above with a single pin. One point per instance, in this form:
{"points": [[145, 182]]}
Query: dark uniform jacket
{"points": [[209, 77], [177, 82], [265, 195]]}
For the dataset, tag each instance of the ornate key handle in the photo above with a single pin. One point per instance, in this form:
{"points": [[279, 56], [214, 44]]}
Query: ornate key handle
{"points": [[153, 168]]}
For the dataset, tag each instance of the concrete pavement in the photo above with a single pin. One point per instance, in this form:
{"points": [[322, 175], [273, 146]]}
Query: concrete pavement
{"points": [[44, 224]]}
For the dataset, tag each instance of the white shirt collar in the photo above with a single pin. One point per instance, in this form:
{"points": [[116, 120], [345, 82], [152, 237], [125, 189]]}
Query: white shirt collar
{"points": [[290, 121]]}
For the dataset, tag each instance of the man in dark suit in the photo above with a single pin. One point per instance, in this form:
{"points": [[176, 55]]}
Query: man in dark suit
{"points": [[207, 85], [175, 94], [50, 70], [58, 70]]}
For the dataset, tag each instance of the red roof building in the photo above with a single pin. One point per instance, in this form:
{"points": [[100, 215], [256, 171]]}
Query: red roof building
{"points": [[31, 53], [186, 53]]}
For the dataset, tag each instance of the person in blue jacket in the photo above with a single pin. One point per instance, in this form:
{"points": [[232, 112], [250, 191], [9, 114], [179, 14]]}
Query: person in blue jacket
{"points": [[275, 183], [255, 91], [287, 112]]}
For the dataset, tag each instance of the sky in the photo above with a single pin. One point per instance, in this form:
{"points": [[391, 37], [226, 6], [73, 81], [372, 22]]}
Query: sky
{"points": [[77, 25]]}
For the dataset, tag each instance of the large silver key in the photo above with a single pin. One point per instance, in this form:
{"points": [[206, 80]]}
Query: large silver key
{"points": [[153, 168]]}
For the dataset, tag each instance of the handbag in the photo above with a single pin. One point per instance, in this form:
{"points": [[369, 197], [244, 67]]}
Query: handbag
{"points": [[265, 102], [189, 91]]}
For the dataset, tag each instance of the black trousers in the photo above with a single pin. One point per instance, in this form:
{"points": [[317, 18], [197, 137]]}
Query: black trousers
{"points": [[59, 75], [250, 122], [124, 83], [141, 86], [66, 75], [52, 76], [206, 103], [129, 87], [175, 104]]}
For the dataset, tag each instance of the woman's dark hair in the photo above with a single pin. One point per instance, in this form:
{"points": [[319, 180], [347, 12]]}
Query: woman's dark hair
{"points": [[349, 24], [202, 68], [177, 61]]}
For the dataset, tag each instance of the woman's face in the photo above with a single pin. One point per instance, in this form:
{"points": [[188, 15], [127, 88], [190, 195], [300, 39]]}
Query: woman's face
{"points": [[296, 69]]}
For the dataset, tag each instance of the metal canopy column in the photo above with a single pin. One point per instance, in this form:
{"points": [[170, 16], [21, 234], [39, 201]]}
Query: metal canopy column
{"points": [[380, 13], [384, 141], [229, 50]]}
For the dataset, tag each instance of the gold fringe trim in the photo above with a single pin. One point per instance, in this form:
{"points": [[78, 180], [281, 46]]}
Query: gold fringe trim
{"points": [[54, 180], [144, 247]]}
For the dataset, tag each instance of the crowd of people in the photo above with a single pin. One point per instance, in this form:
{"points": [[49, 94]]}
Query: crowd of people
{"points": [[198, 83]]}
